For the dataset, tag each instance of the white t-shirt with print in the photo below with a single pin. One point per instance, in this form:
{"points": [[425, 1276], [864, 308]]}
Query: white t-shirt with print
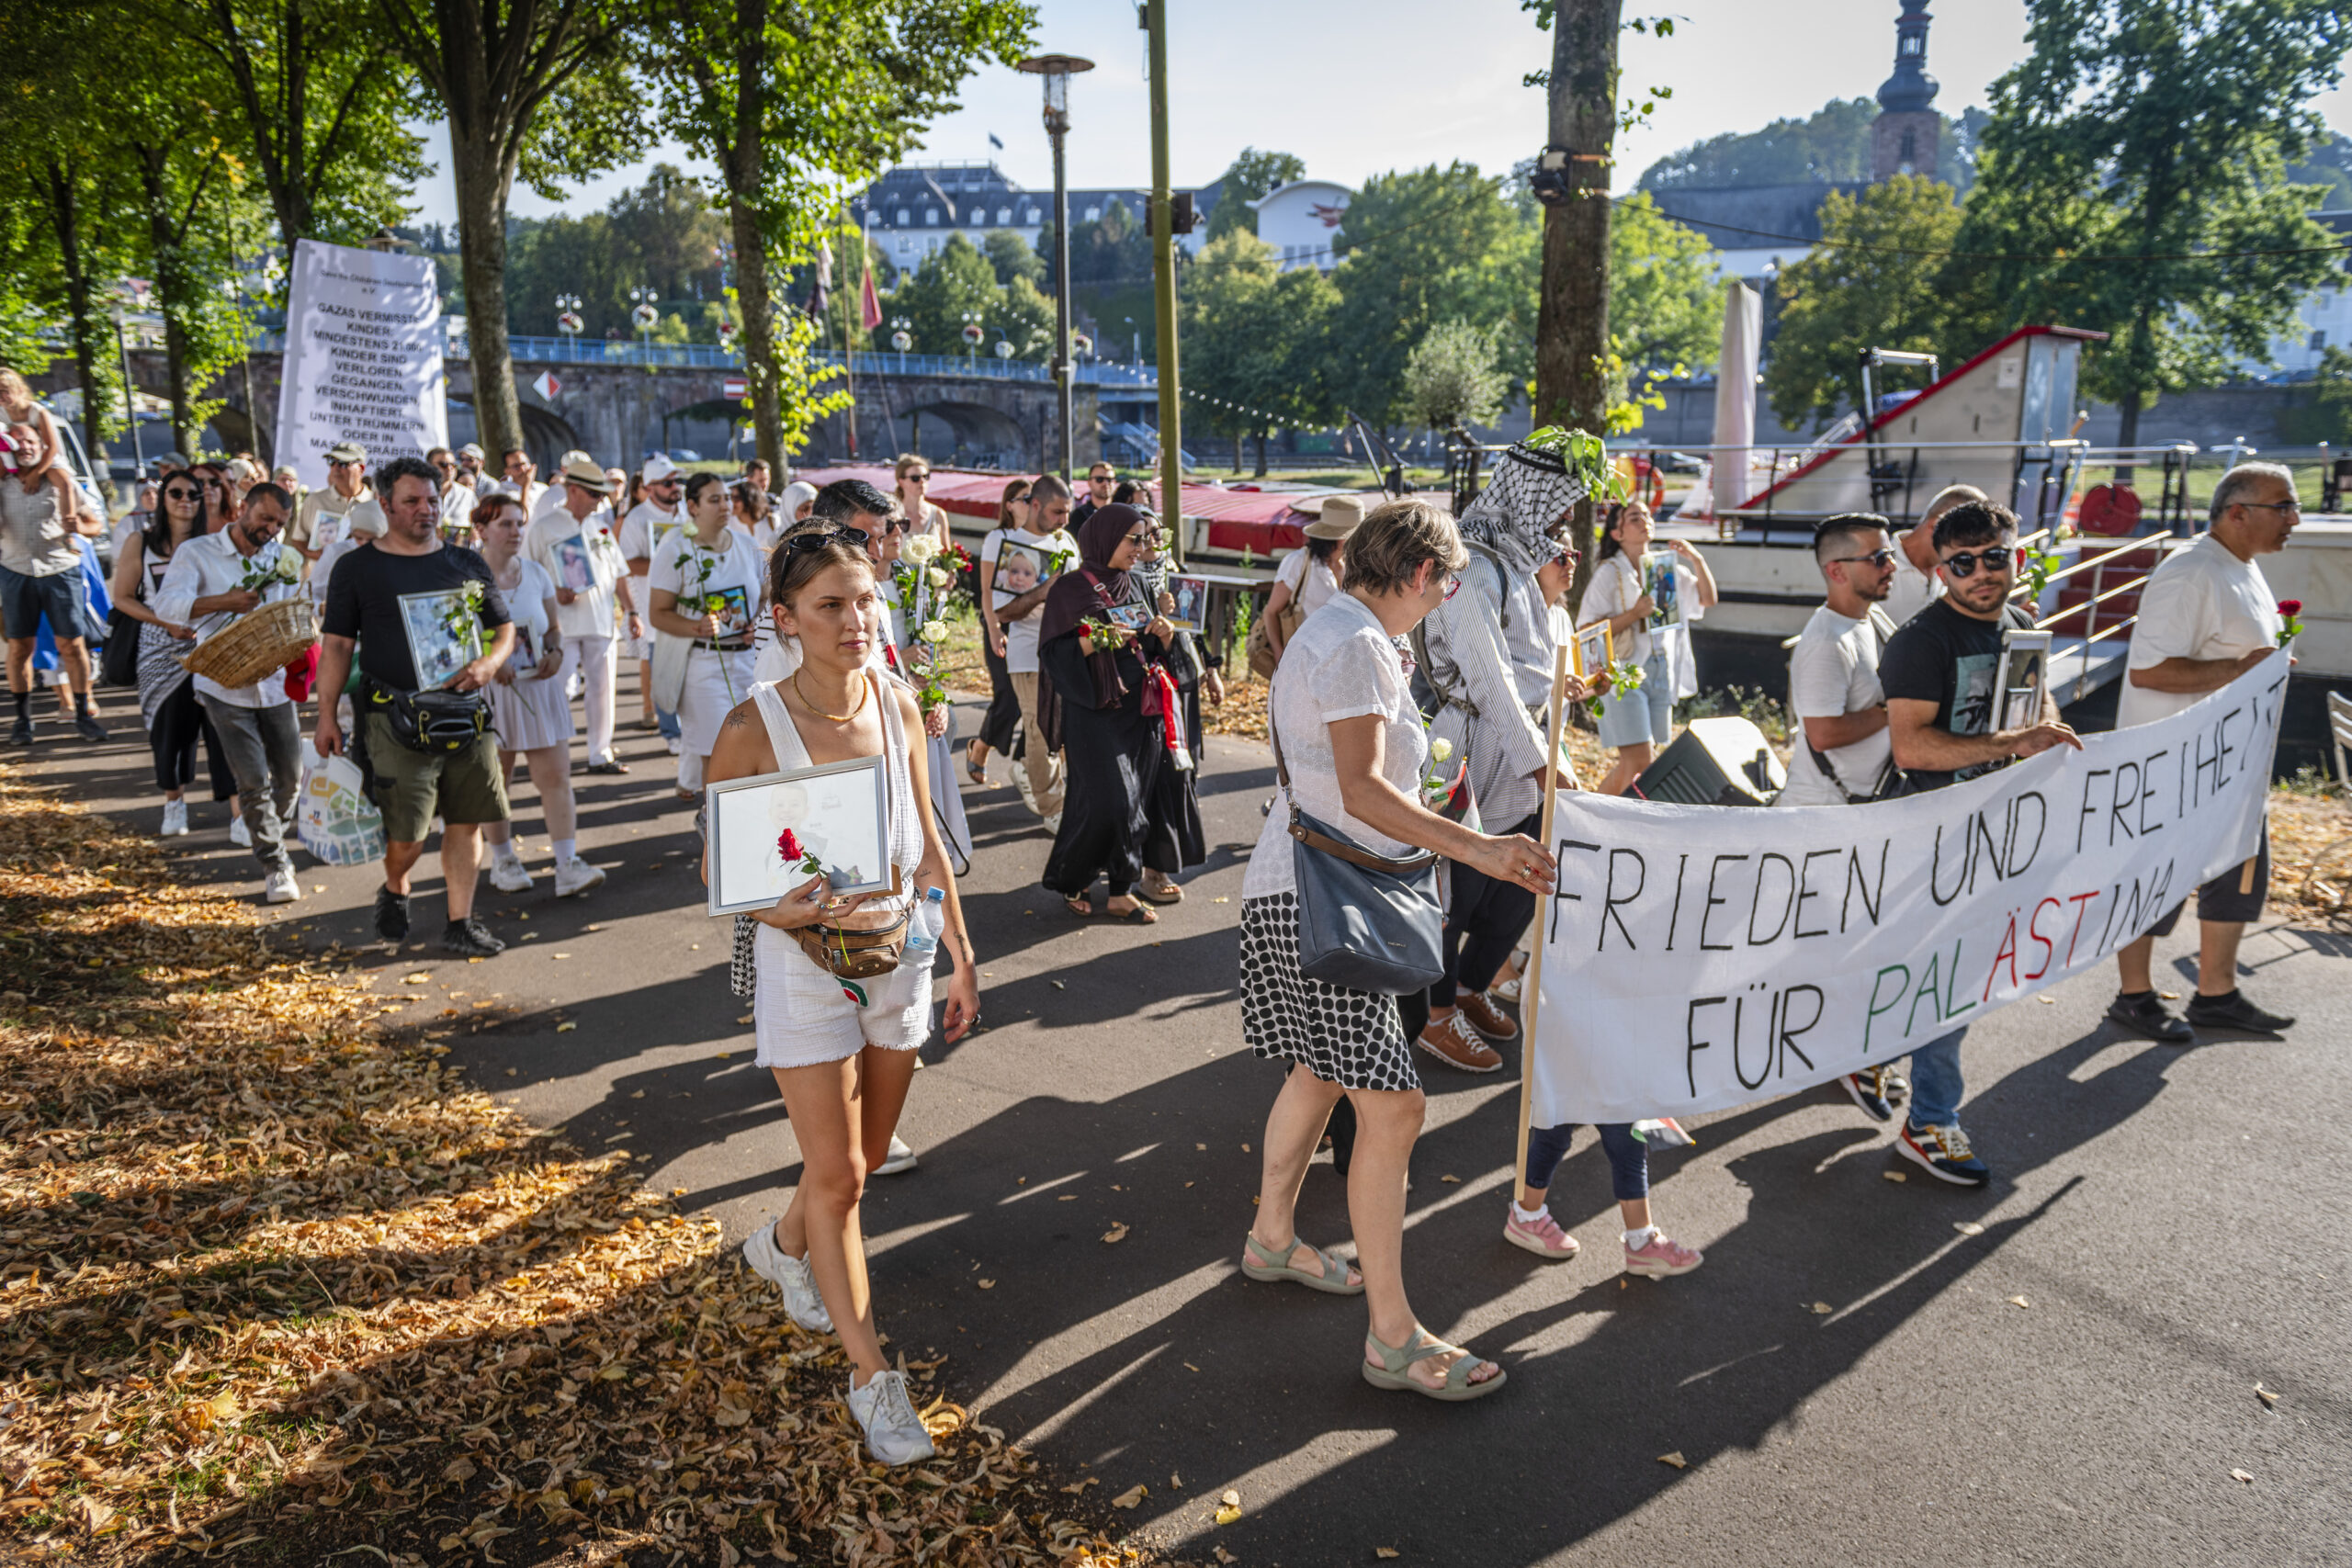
{"points": [[646, 526], [1341, 664], [1021, 635], [2200, 602], [591, 614], [1833, 671], [682, 567]]}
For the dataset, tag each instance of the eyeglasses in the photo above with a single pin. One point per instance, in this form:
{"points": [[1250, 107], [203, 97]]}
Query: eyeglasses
{"points": [[1876, 557], [1566, 555], [331, 463], [2000, 561], [2296, 507], [812, 540]]}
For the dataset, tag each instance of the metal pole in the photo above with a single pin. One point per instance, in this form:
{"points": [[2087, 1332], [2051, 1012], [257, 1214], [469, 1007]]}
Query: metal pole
{"points": [[1061, 299], [1163, 288]]}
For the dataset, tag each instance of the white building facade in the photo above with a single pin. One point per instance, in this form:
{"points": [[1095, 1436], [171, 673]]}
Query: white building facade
{"points": [[1302, 221]]}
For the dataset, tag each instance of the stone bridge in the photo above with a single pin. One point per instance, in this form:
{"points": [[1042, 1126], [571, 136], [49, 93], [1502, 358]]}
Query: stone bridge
{"points": [[622, 408]]}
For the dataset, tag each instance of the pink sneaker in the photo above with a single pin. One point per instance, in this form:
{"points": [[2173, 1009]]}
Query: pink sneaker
{"points": [[1662, 1257], [1544, 1237]]}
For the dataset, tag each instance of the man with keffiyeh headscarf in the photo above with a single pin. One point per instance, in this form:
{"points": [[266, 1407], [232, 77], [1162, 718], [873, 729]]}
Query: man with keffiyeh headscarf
{"points": [[1486, 658]]}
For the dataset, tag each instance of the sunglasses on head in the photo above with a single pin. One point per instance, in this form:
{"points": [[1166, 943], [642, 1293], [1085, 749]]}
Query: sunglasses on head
{"points": [[1999, 560], [814, 540]]}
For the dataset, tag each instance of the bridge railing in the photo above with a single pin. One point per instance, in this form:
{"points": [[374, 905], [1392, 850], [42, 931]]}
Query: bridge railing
{"points": [[567, 350]]}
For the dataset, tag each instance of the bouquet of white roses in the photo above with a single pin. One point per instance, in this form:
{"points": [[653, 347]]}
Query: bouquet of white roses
{"points": [[266, 572]]}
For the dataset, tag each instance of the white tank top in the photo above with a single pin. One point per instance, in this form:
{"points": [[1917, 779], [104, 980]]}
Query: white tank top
{"points": [[906, 826]]}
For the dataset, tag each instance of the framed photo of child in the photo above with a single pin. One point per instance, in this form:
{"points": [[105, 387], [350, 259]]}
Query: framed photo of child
{"points": [[1662, 583], [1191, 596], [1589, 653], [573, 568], [2024, 679], [1020, 567], [765, 833], [443, 635]]}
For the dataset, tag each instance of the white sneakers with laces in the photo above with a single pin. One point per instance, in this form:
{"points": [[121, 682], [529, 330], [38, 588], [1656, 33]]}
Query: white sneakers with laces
{"points": [[508, 875], [894, 1433], [576, 875], [280, 887], [792, 1277], [175, 820]]}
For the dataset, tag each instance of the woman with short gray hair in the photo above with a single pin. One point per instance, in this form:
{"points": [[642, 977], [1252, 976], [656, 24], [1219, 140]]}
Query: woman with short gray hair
{"points": [[1350, 741]]}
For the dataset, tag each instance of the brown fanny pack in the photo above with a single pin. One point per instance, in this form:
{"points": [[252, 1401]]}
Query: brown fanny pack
{"points": [[856, 954]]}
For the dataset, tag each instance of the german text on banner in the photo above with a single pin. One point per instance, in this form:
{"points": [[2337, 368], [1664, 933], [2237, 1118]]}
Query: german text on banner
{"points": [[363, 358], [1701, 957]]}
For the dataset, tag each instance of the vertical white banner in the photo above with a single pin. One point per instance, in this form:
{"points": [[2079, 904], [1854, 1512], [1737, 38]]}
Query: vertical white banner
{"points": [[363, 358]]}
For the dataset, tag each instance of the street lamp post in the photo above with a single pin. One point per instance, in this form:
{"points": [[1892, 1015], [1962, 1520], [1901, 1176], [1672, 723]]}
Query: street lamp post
{"points": [[973, 332], [1057, 69], [568, 322], [645, 316], [901, 340]]}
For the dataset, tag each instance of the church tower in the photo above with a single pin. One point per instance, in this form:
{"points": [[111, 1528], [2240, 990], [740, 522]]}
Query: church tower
{"points": [[1904, 138]]}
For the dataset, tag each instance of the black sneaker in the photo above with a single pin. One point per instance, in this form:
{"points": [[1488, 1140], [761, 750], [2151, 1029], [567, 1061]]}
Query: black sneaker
{"points": [[2235, 1015], [391, 914], [2147, 1016], [470, 938], [21, 732], [88, 729], [1868, 1090]]}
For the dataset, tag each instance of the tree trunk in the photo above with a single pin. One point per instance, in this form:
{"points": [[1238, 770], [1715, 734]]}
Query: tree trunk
{"points": [[1239, 435], [1572, 323], [2127, 432], [484, 177], [171, 288], [1261, 452], [754, 296], [2139, 357], [62, 196]]}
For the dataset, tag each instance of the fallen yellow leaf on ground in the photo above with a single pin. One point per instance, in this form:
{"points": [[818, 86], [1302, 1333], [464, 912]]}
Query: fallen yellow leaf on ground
{"points": [[1385, 1552], [2017, 1302], [1116, 1233], [1675, 1459], [1131, 1497], [1823, 1309], [1968, 1227]]}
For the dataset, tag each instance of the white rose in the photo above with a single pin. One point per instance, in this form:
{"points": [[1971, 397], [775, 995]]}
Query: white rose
{"points": [[1441, 750], [920, 549], [937, 578], [934, 632]]}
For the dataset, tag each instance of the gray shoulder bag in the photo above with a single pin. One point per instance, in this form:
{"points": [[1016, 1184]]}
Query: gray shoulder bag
{"points": [[1365, 922]]}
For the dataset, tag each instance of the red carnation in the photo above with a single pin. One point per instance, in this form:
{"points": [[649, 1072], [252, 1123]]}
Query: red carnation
{"points": [[788, 846], [2290, 606]]}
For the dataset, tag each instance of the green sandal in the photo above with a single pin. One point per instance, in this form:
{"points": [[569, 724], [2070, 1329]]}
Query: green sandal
{"points": [[1265, 1263], [1392, 1373]]}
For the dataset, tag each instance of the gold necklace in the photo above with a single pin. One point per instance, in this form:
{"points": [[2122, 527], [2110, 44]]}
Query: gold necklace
{"points": [[863, 690]]}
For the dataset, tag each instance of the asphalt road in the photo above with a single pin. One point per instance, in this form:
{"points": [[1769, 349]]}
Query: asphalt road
{"points": [[2179, 1223]]}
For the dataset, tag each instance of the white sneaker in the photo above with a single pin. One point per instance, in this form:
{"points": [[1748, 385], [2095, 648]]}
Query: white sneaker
{"points": [[576, 875], [902, 1158], [673, 747], [792, 1277], [894, 1433], [1054, 824], [280, 887], [175, 820], [238, 834], [509, 876]]}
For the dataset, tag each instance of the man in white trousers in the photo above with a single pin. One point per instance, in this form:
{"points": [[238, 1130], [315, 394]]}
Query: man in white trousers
{"points": [[574, 543]]}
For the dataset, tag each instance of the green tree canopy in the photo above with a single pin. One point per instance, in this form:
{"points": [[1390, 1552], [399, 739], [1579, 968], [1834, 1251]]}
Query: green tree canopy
{"points": [[2133, 180], [1860, 289], [1665, 307], [1014, 259], [953, 282], [1832, 144], [660, 235], [1256, 342], [1250, 175], [1451, 377]]}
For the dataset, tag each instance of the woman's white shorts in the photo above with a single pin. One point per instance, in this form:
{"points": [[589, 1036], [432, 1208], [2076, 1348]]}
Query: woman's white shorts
{"points": [[805, 1017]]}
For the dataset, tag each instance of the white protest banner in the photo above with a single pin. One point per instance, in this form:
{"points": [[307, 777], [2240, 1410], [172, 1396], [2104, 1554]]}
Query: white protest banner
{"points": [[363, 358], [1701, 957]]}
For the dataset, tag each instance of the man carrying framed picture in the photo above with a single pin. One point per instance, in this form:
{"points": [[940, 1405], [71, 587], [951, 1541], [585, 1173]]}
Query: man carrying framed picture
{"points": [[415, 602]]}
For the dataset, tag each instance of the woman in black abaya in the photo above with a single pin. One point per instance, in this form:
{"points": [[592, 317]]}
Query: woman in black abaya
{"points": [[1108, 713], [1173, 839]]}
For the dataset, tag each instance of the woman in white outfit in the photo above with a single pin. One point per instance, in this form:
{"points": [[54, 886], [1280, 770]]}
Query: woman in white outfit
{"points": [[842, 1066], [527, 708], [707, 595]]}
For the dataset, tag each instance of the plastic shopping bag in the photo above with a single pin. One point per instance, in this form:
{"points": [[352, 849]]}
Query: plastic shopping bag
{"points": [[334, 819]]}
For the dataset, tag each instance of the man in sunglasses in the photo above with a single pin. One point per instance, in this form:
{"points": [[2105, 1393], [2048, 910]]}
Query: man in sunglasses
{"points": [[1939, 673], [2206, 617], [318, 521], [1916, 585]]}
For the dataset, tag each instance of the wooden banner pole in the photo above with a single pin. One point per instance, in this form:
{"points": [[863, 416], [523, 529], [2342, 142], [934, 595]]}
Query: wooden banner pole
{"points": [[1530, 988]]}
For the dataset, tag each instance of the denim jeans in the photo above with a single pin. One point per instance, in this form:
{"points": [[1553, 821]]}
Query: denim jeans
{"points": [[1935, 1086], [668, 724], [1628, 1158]]}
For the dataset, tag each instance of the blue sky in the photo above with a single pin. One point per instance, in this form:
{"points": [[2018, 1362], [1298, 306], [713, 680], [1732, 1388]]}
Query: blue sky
{"points": [[1358, 86]]}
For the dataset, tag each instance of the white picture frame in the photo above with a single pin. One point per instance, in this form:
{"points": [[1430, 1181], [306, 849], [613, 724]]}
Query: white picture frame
{"points": [[841, 811], [2022, 680], [1662, 582], [1191, 591], [435, 652]]}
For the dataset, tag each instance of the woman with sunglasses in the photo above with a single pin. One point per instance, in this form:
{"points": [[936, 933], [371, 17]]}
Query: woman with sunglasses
{"points": [[842, 1064], [1014, 512], [1638, 722], [221, 504], [167, 702], [1108, 703], [923, 514]]}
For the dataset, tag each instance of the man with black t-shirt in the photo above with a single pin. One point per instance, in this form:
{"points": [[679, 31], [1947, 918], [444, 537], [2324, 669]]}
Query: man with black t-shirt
{"points": [[1939, 673], [365, 608]]}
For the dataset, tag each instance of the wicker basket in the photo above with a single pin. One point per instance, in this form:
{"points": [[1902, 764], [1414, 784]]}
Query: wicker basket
{"points": [[259, 643]]}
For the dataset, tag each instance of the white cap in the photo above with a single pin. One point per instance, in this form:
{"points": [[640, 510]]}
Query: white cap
{"points": [[365, 516], [657, 469]]}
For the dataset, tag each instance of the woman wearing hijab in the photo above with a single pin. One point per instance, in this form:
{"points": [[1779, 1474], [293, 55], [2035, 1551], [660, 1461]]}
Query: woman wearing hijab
{"points": [[1109, 705], [1173, 839]]}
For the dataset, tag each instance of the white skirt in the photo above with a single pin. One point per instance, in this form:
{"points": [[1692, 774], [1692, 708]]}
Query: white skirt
{"points": [[531, 714], [715, 682], [805, 1017]]}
